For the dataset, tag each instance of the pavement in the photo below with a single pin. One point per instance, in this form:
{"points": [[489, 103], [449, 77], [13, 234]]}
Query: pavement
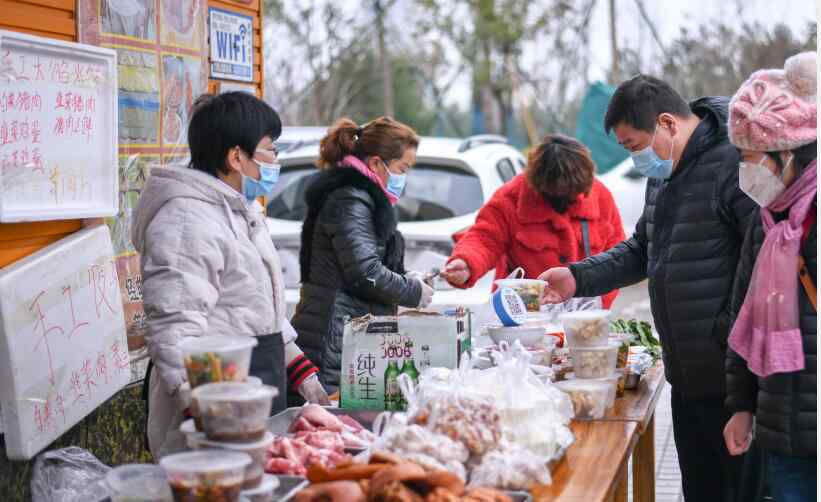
{"points": [[634, 302]]}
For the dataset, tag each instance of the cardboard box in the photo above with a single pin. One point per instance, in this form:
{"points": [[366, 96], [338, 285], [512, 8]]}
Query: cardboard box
{"points": [[370, 343]]}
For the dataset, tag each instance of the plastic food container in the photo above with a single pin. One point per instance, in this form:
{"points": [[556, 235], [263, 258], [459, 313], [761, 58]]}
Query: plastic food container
{"points": [[529, 290], [206, 475], [185, 390], [509, 307], [589, 397], [264, 492], [234, 411], [139, 483], [217, 358], [527, 335], [594, 362], [586, 328], [257, 451]]}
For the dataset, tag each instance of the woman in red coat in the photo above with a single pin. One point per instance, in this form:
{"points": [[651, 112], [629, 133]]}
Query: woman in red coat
{"points": [[536, 220]]}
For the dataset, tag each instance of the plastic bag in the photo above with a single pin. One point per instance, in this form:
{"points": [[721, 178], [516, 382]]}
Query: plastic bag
{"points": [[536, 415], [511, 468], [572, 305], [67, 475]]}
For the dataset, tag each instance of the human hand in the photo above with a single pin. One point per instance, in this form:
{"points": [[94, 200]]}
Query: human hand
{"points": [[738, 433], [457, 273], [427, 295], [561, 285], [313, 391]]}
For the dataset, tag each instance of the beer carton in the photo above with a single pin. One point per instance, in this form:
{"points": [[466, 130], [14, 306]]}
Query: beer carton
{"points": [[374, 348]]}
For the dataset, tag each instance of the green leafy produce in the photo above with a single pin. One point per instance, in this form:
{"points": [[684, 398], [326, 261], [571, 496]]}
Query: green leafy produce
{"points": [[641, 333]]}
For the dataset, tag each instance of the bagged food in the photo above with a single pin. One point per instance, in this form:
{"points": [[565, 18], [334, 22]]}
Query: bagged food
{"points": [[536, 415], [510, 468]]}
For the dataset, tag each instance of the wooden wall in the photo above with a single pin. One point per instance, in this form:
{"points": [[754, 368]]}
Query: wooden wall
{"points": [[46, 18], [57, 19], [249, 8]]}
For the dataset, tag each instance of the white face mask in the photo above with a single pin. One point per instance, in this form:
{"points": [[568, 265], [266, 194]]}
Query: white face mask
{"points": [[759, 183]]}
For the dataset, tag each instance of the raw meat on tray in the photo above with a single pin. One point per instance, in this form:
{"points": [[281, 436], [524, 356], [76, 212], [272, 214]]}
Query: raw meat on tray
{"points": [[316, 437]]}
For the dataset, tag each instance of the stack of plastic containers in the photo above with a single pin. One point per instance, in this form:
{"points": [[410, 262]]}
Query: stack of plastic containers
{"points": [[231, 409], [593, 386]]}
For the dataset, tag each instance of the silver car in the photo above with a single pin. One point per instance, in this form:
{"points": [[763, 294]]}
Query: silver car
{"points": [[451, 181]]}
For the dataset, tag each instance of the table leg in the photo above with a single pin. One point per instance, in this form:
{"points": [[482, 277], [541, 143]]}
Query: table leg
{"points": [[621, 489], [644, 465]]}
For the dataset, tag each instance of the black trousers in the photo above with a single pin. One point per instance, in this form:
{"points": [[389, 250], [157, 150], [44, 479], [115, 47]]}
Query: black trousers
{"points": [[708, 471]]}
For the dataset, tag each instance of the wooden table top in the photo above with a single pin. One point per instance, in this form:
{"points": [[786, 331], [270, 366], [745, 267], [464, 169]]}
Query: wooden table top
{"points": [[639, 405], [590, 469]]}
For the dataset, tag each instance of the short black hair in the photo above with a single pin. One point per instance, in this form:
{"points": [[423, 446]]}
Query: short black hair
{"points": [[639, 101], [223, 121]]}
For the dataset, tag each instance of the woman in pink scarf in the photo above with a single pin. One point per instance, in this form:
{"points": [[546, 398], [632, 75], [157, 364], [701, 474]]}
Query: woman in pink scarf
{"points": [[771, 358]]}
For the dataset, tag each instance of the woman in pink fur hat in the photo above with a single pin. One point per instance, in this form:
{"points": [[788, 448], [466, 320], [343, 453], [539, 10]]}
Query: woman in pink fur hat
{"points": [[771, 364]]}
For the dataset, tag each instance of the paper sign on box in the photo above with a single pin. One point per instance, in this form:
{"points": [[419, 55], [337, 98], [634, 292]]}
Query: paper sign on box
{"points": [[63, 350]]}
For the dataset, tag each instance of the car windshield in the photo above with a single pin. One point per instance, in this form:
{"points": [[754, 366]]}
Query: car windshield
{"points": [[432, 192]]}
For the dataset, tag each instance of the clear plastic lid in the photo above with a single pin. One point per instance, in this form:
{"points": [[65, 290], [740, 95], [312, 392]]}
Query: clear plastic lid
{"points": [[518, 283], [265, 442], [268, 485], [584, 385], [233, 391], [143, 480], [206, 462], [584, 315], [216, 343]]}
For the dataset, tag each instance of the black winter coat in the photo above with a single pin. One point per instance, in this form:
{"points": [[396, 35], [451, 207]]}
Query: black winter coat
{"points": [[351, 264], [784, 404], [687, 243]]}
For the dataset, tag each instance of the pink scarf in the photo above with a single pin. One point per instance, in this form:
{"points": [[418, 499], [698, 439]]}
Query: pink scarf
{"points": [[767, 333], [351, 161]]}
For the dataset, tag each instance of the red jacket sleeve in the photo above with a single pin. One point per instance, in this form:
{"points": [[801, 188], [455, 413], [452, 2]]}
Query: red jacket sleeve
{"points": [[482, 245], [616, 236]]}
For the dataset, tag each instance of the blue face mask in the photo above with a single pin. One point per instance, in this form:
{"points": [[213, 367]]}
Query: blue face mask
{"points": [[396, 182], [264, 186], [648, 163]]}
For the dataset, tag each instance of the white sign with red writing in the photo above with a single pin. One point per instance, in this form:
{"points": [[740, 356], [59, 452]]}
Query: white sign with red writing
{"points": [[63, 349], [58, 129]]}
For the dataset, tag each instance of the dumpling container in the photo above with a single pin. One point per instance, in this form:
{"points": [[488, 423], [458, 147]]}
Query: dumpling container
{"points": [[589, 397], [206, 474], [234, 411], [264, 492], [139, 483], [594, 362], [257, 450], [185, 393], [586, 328], [217, 358], [528, 336], [192, 435], [529, 290]]}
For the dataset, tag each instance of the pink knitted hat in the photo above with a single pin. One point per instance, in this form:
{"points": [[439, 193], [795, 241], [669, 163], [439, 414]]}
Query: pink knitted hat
{"points": [[775, 110]]}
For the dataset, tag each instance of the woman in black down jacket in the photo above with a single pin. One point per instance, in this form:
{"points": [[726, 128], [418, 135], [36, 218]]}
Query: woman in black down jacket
{"points": [[352, 255], [771, 365]]}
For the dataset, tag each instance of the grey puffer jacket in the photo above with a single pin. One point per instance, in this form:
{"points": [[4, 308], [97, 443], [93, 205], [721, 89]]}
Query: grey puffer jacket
{"points": [[351, 264], [784, 404], [208, 264], [687, 243]]}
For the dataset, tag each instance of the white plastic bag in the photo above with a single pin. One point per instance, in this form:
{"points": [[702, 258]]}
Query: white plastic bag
{"points": [[68, 475]]}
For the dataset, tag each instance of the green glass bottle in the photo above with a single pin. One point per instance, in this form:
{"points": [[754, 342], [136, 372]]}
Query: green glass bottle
{"points": [[392, 394], [408, 368]]}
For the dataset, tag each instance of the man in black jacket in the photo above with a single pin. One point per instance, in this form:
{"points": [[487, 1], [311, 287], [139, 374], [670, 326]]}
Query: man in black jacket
{"points": [[687, 244]]}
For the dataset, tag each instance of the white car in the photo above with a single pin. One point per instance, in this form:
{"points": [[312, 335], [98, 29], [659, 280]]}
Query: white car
{"points": [[450, 182], [627, 187]]}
